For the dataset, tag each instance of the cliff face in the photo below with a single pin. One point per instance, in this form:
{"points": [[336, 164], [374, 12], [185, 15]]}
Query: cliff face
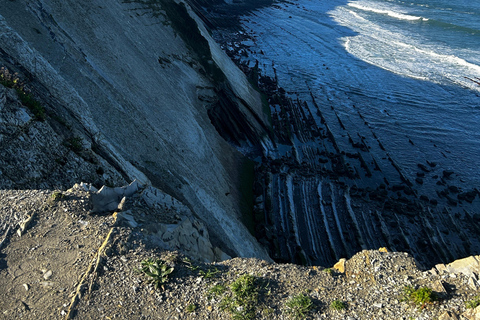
{"points": [[131, 90]]}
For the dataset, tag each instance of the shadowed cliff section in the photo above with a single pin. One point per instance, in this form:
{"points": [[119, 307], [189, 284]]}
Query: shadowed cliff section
{"points": [[134, 82]]}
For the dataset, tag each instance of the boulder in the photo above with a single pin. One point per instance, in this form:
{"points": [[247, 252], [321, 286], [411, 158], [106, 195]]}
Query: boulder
{"points": [[468, 266]]}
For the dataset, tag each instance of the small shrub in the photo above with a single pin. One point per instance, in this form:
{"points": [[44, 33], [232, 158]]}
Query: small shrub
{"points": [[157, 271], [191, 308], [419, 297], [472, 304], [338, 305], [11, 80], [210, 273], [243, 300], [216, 290], [29, 101], [74, 144], [328, 271], [57, 196], [299, 306]]}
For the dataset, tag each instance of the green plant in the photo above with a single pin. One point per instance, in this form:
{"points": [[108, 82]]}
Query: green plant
{"points": [[216, 290], [210, 273], [338, 305], [328, 270], [29, 101], [74, 144], [242, 302], [191, 308], [56, 196], [189, 264], [11, 80], [157, 271], [472, 304], [419, 297], [299, 306]]}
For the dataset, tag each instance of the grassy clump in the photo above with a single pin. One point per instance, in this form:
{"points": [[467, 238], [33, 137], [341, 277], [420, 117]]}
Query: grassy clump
{"points": [[210, 273], [57, 196], [74, 144], [242, 302], [338, 305], [157, 271], [191, 308], [328, 271], [299, 306], [216, 290], [11, 80], [472, 304], [420, 297]]}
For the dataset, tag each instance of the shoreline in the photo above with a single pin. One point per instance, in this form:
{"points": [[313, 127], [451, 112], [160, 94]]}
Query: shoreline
{"points": [[361, 206]]}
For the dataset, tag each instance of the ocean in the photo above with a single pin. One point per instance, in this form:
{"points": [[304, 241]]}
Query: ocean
{"points": [[411, 69], [380, 142]]}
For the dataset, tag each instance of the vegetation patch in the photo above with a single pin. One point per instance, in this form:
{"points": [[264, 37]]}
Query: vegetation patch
{"points": [[12, 80], [299, 306], [472, 304], [157, 272], [242, 301], [210, 273], [328, 271], [338, 305], [420, 297], [191, 308], [74, 144], [57, 196], [215, 291]]}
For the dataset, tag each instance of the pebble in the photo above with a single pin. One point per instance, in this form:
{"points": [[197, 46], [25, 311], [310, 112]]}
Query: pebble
{"points": [[47, 275]]}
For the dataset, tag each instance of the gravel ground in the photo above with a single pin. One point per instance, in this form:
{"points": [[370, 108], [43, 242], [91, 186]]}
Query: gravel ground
{"points": [[69, 263]]}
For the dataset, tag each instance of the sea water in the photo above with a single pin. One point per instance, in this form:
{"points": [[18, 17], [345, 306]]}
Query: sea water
{"points": [[410, 69]]}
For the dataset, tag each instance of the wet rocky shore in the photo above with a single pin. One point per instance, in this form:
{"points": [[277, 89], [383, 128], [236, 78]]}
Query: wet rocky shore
{"points": [[320, 197]]}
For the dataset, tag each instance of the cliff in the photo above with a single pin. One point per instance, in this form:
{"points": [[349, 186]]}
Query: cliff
{"points": [[128, 90]]}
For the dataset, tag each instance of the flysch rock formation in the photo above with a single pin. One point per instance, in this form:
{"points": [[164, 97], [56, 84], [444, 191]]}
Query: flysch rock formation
{"points": [[131, 90]]}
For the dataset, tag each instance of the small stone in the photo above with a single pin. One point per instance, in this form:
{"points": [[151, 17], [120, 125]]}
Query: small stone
{"points": [[472, 283], [26, 286], [340, 265], [47, 275], [383, 249], [439, 287]]}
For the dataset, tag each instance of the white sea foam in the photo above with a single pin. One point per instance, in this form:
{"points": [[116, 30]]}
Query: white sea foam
{"points": [[390, 13], [398, 52]]}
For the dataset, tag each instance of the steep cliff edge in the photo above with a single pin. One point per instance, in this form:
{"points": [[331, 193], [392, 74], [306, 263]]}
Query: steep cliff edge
{"points": [[68, 264], [131, 90]]}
